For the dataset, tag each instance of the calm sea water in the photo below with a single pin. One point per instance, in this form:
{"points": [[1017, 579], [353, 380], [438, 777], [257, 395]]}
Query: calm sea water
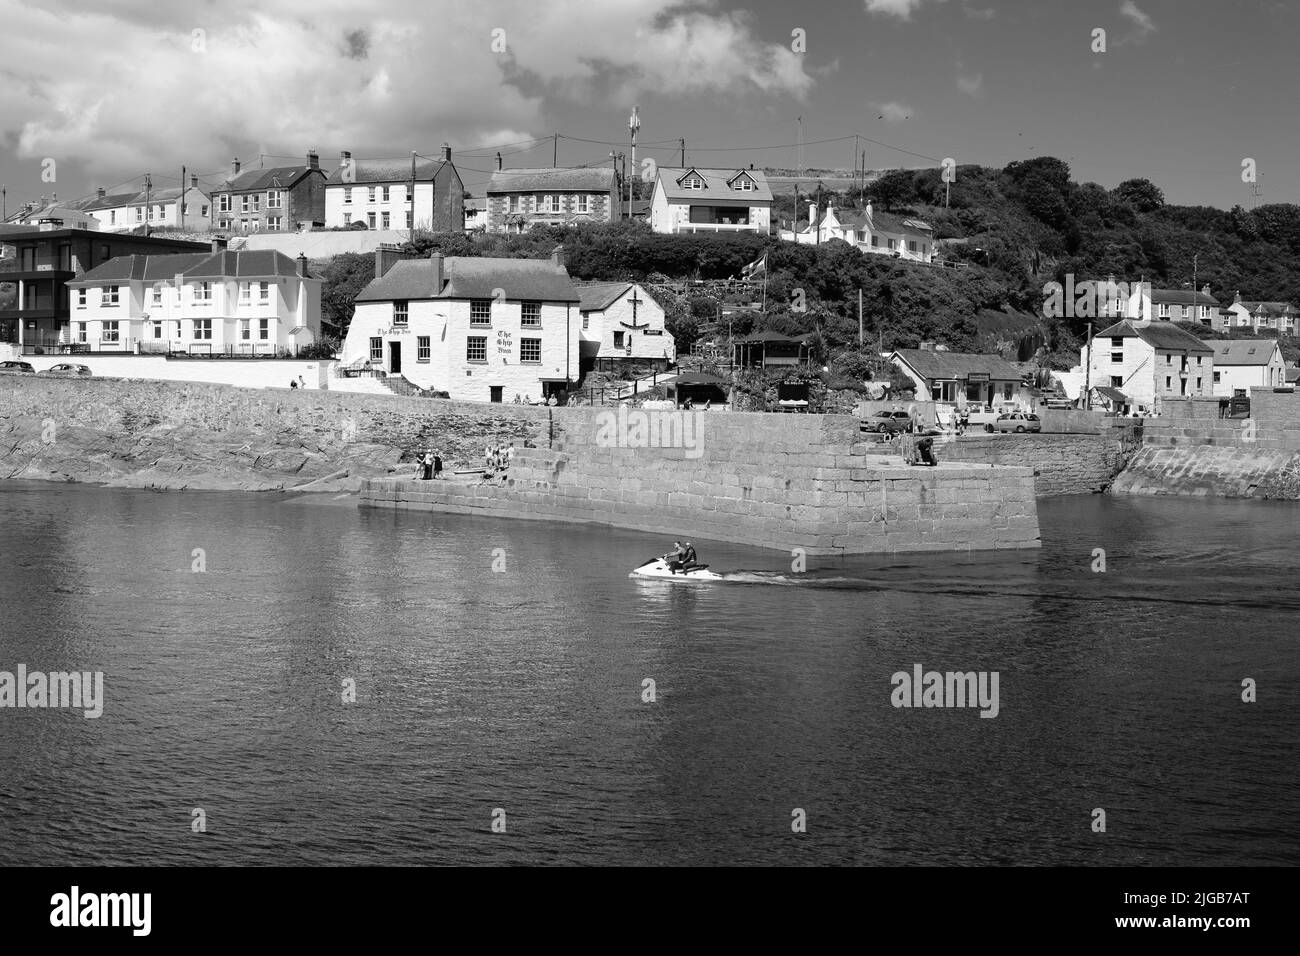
{"points": [[521, 690]]}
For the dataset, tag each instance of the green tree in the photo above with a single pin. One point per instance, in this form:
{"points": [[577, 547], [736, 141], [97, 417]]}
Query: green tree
{"points": [[344, 278], [1142, 194]]}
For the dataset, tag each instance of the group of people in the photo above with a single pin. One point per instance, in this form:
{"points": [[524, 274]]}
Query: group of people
{"points": [[498, 458], [688, 405], [528, 400], [429, 465], [299, 382], [681, 558]]}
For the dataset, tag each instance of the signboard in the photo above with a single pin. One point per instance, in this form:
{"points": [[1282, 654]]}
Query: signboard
{"points": [[977, 376], [503, 343]]}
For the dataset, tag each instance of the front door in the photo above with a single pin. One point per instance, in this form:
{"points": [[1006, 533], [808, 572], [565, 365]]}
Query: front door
{"points": [[394, 358], [495, 392]]}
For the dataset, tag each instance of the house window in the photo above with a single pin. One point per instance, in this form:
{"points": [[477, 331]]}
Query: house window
{"points": [[1117, 381], [111, 333], [410, 217], [582, 202], [1164, 311], [265, 295], [108, 296], [476, 348], [692, 182], [347, 195], [273, 200], [245, 292], [744, 184], [384, 220], [157, 330], [81, 331], [480, 312], [347, 219], [157, 295], [243, 204], [911, 246], [530, 350], [422, 348], [1117, 357], [530, 313], [370, 194], [875, 242], [370, 220], [513, 204], [273, 222], [203, 211], [550, 204], [376, 349], [586, 320], [112, 217], [264, 329], [139, 213], [1198, 383], [1117, 342], [245, 333], [1169, 383], [203, 330], [223, 202], [400, 313], [618, 340], [384, 193], [81, 298], [203, 292]]}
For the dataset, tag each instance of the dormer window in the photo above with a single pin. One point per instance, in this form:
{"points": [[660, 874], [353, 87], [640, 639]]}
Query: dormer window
{"points": [[744, 184], [693, 182]]}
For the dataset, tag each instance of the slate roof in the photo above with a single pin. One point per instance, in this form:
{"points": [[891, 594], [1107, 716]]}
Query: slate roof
{"points": [[770, 336], [715, 185], [278, 177], [880, 221], [116, 200], [1293, 374], [1269, 308], [468, 277], [552, 179], [1160, 335], [366, 171], [1182, 297], [262, 264], [931, 364], [1243, 351], [600, 295]]}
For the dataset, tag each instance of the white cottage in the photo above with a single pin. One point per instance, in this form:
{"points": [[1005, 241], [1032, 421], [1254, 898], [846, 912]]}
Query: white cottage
{"points": [[710, 200], [480, 329], [1149, 362], [1244, 364], [621, 326]]}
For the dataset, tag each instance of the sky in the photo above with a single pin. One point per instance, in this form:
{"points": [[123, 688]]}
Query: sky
{"points": [[1183, 92]]}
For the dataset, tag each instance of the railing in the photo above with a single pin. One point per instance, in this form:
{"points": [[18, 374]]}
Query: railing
{"points": [[169, 349], [717, 227]]}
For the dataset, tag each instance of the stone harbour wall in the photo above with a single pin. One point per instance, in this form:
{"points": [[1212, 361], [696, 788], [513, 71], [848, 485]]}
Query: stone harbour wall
{"points": [[775, 481], [1061, 464]]}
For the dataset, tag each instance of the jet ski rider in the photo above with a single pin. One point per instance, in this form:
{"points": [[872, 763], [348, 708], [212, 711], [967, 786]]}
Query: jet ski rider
{"points": [[676, 558]]}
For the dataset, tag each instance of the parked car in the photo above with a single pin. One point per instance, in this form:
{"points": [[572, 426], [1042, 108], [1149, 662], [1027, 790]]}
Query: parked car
{"points": [[67, 370], [1018, 422], [887, 421], [16, 368]]}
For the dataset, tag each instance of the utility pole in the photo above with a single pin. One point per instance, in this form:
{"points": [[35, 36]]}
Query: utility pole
{"points": [[683, 142], [181, 211], [1087, 374], [148, 186], [4, 203], [859, 320], [799, 120], [555, 149], [411, 193], [1196, 305], [633, 124]]}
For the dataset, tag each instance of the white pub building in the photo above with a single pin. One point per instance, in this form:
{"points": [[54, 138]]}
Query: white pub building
{"points": [[480, 329]]}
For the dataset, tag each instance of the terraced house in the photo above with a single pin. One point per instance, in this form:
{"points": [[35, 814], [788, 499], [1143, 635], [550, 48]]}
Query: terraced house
{"points": [[1149, 362], [869, 231], [1277, 317], [480, 329], [518, 199], [393, 194], [280, 199], [204, 303], [174, 206]]}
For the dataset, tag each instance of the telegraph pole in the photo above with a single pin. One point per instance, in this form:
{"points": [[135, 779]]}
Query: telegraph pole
{"points": [[411, 192], [555, 149], [859, 320], [1087, 374], [633, 124], [148, 186], [181, 211], [683, 142]]}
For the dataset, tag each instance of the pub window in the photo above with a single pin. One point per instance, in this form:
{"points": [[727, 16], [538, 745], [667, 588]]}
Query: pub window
{"points": [[376, 349], [422, 348], [530, 313], [476, 348], [400, 313], [480, 312], [530, 350]]}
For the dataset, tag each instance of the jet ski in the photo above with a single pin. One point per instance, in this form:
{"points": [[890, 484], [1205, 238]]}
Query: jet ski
{"points": [[658, 568]]}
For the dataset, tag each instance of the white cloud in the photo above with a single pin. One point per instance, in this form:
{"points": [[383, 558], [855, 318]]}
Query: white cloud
{"points": [[971, 85], [894, 8], [893, 111], [1143, 25], [119, 89]]}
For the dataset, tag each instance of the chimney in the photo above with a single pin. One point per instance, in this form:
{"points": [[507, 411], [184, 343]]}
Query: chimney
{"points": [[498, 162], [1236, 297], [812, 214], [558, 257], [926, 346], [302, 265], [194, 182], [1205, 289], [99, 193], [234, 167], [436, 259], [446, 153], [218, 244], [386, 253], [313, 159]]}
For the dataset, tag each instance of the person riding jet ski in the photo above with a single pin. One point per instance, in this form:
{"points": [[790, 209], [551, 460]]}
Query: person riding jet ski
{"points": [[676, 558]]}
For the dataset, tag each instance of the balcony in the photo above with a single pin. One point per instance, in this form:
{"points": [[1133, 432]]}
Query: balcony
{"points": [[692, 227]]}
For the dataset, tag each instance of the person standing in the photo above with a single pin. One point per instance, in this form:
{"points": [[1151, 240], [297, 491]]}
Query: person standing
{"points": [[302, 382], [427, 463], [437, 465]]}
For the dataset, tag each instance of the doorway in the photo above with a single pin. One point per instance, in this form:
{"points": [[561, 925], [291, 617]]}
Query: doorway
{"points": [[495, 392], [394, 358]]}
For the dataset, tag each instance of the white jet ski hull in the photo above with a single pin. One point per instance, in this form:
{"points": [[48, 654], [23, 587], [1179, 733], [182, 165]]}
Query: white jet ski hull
{"points": [[658, 569]]}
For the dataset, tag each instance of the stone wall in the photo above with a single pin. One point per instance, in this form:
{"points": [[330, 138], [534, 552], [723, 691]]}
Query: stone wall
{"points": [[776, 481], [1189, 450], [1061, 464]]}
